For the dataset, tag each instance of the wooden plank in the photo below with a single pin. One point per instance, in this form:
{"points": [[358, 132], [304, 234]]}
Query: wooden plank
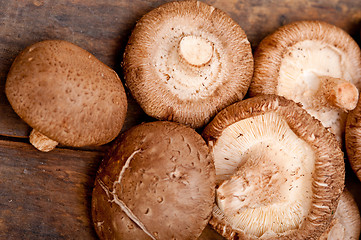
{"points": [[46, 195], [102, 27]]}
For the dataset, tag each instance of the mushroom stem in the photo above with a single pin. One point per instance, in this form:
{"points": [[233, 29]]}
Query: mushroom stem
{"points": [[195, 51], [338, 93], [41, 142]]}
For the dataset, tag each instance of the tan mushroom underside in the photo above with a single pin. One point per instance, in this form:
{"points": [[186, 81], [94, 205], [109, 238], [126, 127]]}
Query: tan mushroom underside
{"points": [[186, 60], [314, 63], [318, 190], [273, 179]]}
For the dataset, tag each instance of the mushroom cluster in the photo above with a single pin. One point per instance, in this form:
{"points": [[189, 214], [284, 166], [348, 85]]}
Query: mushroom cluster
{"points": [[279, 172], [268, 167]]}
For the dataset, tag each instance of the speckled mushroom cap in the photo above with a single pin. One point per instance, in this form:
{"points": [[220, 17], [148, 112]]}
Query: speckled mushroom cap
{"points": [[65, 93], [279, 172], [346, 222], [314, 63], [353, 139], [187, 60], [157, 182]]}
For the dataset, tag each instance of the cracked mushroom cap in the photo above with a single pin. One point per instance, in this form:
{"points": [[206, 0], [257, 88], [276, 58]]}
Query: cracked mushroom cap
{"points": [[314, 63], [157, 182], [187, 60], [346, 222], [353, 139], [279, 172], [66, 95]]}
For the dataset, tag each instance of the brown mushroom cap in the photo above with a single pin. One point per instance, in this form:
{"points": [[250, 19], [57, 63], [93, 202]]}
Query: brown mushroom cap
{"points": [[65, 93], [187, 60], [298, 159], [353, 139], [346, 223], [157, 182], [314, 63]]}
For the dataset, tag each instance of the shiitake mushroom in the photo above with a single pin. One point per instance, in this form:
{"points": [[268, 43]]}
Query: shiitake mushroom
{"points": [[157, 182], [279, 172], [187, 60], [314, 63], [66, 95]]}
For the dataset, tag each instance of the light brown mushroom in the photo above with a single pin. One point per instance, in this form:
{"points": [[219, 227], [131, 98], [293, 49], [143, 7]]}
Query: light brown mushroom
{"points": [[346, 222], [353, 139], [313, 63], [187, 60], [66, 95], [279, 172], [157, 182]]}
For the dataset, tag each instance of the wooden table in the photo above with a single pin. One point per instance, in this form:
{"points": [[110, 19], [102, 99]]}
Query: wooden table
{"points": [[47, 195]]}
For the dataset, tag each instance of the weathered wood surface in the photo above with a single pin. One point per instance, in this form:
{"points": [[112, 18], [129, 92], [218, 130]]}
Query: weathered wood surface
{"points": [[47, 195]]}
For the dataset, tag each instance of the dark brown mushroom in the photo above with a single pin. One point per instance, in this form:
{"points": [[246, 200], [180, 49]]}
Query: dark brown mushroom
{"points": [[187, 60], [353, 139], [157, 182], [279, 172], [66, 95], [314, 63]]}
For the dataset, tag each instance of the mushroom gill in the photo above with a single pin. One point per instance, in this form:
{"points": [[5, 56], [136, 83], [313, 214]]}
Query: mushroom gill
{"points": [[313, 63], [271, 177], [187, 60], [279, 172]]}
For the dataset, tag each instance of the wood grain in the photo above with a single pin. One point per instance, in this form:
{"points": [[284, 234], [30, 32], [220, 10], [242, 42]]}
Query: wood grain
{"points": [[47, 195]]}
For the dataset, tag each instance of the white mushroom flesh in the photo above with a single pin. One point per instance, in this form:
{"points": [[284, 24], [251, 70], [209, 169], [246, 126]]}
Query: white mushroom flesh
{"points": [[337, 232], [42, 142], [347, 223], [268, 171], [195, 50], [189, 61], [299, 79]]}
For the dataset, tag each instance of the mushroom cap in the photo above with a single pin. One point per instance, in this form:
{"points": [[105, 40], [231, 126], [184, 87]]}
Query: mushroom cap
{"points": [[346, 223], [353, 139], [157, 182], [289, 61], [187, 60], [327, 173], [64, 92]]}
